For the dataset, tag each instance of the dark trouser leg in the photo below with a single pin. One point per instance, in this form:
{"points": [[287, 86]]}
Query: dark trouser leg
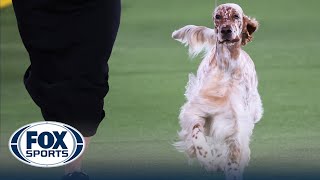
{"points": [[69, 44]]}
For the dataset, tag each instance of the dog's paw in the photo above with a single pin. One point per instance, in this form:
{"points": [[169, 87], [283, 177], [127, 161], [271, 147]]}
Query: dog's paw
{"points": [[232, 171]]}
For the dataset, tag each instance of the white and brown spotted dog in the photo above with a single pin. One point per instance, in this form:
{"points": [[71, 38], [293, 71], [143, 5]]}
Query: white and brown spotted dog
{"points": [[223, 102]]}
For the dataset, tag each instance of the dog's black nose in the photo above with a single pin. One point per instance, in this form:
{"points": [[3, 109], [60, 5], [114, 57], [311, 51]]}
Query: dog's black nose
{"points": [[226, 30]]}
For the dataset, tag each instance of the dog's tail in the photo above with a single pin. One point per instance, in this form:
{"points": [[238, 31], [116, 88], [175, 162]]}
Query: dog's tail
{"points": [[198, 38]]}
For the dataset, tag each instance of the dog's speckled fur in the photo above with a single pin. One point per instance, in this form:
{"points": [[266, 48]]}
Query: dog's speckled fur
{"points": [[223, 103]]}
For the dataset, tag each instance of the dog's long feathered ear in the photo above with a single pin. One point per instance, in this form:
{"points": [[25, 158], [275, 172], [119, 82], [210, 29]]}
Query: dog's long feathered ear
{"points": [[198, 38], [250, 25]]}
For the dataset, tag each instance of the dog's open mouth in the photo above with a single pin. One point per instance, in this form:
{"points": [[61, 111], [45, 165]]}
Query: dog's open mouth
{"points": [[229, 41]]}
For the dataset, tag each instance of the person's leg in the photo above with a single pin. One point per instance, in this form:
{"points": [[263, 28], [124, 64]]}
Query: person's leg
{"points": [[69, 43], [76, 166]]}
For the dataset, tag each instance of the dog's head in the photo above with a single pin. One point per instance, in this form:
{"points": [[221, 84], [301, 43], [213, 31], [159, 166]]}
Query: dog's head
{"points": [[232, 25]]}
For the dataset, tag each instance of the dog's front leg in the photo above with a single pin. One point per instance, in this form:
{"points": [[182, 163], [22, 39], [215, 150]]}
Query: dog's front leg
{"points": [[192, 136], [203, 151], [232, 168]]}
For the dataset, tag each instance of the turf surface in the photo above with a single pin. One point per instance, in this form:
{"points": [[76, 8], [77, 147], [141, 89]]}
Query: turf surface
{"points": [[148, 74]]}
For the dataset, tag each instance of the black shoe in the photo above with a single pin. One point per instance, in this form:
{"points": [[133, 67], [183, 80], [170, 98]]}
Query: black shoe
{"points": [[76, 176]]}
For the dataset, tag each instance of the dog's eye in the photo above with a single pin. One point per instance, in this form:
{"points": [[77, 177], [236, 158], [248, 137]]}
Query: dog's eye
{"points": [[236, 16], [218, 17]]}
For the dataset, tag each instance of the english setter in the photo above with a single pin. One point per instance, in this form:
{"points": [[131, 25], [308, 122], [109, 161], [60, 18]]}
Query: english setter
{"points": [[223, 102]]}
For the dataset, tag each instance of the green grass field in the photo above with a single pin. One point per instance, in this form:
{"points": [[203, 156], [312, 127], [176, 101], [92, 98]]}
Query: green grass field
{"points": [[148, 74]]}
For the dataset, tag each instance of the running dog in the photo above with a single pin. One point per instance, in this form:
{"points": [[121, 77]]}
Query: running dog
{"points": [[223, 102]]}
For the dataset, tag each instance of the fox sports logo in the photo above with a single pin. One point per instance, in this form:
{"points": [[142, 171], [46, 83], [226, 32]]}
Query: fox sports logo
{"points": [[46, 144]]}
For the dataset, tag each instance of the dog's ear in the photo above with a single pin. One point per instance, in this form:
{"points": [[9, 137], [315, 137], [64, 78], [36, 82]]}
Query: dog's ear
{"points": [[250, 25]]}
